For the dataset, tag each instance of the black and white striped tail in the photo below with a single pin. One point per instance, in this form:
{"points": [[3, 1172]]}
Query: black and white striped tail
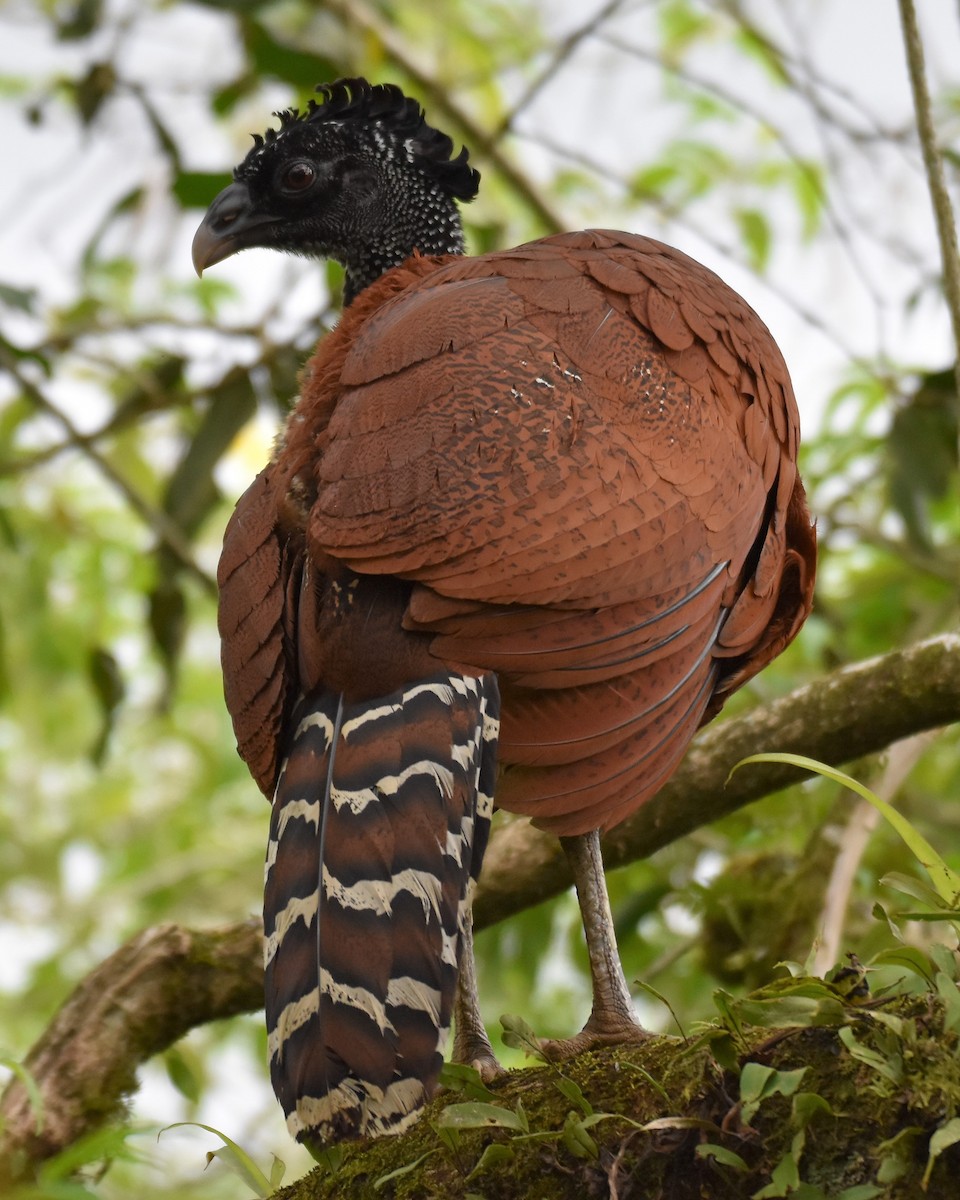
{"points": [[373, 852]]}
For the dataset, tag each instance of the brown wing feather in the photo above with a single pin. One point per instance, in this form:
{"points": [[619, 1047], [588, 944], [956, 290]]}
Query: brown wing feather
{"points": [[580, 456], [257, 571]]}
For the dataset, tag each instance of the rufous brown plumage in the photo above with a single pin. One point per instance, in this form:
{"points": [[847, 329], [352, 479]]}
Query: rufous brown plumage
{"points": [[565, 472]]}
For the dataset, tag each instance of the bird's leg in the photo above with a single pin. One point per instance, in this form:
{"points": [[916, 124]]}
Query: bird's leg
{"points": [[470, 1042], [612, 1018]]}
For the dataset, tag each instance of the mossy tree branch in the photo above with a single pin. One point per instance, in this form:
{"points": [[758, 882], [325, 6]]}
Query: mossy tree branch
{"points": [[168, 979], [669, 1119], [144, 997]]}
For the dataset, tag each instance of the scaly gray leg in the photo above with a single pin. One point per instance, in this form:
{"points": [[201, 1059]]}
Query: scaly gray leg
{"points": [[470, 1043], [612, 1018]]}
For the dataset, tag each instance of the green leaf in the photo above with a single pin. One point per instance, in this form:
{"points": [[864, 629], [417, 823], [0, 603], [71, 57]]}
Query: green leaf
{"points": [[881, 914], [722, 1155], [79, 20], [949, 993], [476, 1115], [449, 1136], [945, 960], [643, 986], [902, 1028], [459, 1077], [898, 1153], [577, 1140], [807, 1105], [328, 1158], [226, 99], [92, 89], [195, 189], [946, 1136], [572, 1092], [909, 885], [653, 181], [648, 1078], [784, 1179], [681, 25], [678, 1123], [946, 881], [164, 137], [520, 1036], [890, 1067], [401, 1171], [496, 1154], [282, 60], [182, 1074], [810, 193], [764, 52], [233, 1156], [277, 1172], [909, 957], [726, 1005], [788, 1001], [105, 1144], [756, 235], [22, 299], [786, 1011], [26, 1078], [758, 1082]]}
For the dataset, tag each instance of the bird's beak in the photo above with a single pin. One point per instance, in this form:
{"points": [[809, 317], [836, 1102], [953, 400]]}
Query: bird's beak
{"points": [[231, 224]]}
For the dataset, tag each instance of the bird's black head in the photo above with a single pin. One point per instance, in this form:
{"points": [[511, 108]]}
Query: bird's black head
{"points": [[359, 177]]}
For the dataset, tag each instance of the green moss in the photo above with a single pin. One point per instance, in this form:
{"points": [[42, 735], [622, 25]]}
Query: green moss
{"points": [[696, 1102]]}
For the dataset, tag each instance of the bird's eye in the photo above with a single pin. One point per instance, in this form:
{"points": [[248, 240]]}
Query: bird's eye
{"points": [[298, 177]]}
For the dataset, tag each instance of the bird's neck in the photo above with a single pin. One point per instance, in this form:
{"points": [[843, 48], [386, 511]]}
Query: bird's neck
{"points": [[425, 222]]}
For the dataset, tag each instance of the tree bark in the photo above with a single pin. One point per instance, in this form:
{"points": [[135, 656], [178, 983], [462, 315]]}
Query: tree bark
{"points": [[167, 980], [136, 1003]]}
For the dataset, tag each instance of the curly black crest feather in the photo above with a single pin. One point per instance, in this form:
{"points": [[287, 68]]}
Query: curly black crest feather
{"points": [[398, 118]]}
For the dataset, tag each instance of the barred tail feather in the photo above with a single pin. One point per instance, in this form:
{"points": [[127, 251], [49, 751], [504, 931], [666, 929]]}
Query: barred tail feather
{"points": [[379, 824]]}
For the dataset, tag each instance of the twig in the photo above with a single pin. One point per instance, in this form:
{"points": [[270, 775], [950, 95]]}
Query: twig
{"points": [[562, 52], [936, 182], [167, 531], [481, 142]]}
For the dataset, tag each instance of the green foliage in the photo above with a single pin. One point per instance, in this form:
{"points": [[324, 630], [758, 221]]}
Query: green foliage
{"points": [[239, 1162], [768, 1127], [946, 881]]}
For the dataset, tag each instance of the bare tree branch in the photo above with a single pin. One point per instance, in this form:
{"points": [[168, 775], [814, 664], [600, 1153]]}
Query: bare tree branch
{"points": [[169, 979], [166, 530], [560, 56], [933, 162]]}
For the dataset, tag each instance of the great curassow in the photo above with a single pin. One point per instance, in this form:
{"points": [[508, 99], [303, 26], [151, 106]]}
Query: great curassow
{"points": [[550, 494]]}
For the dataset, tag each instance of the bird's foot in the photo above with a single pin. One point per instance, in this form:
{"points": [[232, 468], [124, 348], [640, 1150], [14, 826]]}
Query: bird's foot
{"points": [[595, 1034], [475, 1051]]}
